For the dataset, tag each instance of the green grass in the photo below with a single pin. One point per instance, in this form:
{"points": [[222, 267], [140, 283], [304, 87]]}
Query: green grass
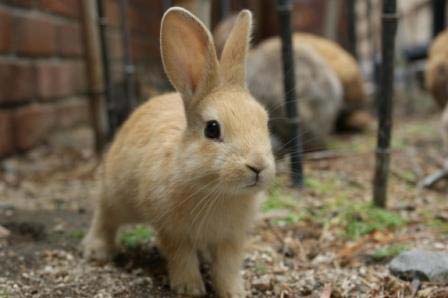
{"points": [[76, 234], [363, 219], [322, 187], [4, 294], [280, 200], [135, 237], [354, 219], [277, 199], [260, 268], [439, 225], [388, 252]]}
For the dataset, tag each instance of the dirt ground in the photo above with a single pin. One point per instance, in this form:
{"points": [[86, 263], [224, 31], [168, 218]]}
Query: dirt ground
{"points": [[323, 241]]}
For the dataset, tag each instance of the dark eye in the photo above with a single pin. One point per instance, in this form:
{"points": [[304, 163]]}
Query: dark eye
{"points": [[212, 130]]}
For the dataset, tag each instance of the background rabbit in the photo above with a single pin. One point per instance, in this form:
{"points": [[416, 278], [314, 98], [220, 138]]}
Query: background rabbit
{"points": [[436, 77], [318, 89], [351, 116], [193, 164]]}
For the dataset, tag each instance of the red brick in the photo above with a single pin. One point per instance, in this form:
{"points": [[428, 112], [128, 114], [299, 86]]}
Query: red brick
{"points": [[144, 49], [69, 8], [60, 79], [154, 8], [5, 32], [36, 37], [72, 112], [79, 76], [69, 39], [6, 139], [48, 80], [17, 81], [32, 125]]}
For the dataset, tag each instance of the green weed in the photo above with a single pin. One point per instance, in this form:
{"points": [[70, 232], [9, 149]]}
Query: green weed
{"points": [[136, 236]]}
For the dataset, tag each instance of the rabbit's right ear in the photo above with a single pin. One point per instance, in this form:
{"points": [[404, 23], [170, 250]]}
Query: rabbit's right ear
{"points": [[188, 54]]}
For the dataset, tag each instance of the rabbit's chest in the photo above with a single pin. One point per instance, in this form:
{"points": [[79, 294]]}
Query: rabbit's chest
{"points": [[223, 222]]}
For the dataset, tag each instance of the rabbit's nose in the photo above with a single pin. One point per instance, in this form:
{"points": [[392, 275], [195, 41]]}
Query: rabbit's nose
{"points": [[255, 169]]}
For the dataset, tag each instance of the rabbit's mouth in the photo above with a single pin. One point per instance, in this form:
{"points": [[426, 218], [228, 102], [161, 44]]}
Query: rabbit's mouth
{"points": [[254, 184]]}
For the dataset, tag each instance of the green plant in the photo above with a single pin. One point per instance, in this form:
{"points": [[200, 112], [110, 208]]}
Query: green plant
{"points": [[76, 234], [136, 236], [277, 199], [363, 219], [388, 252]]}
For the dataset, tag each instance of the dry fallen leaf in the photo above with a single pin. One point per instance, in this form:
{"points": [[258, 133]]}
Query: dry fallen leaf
{"points": [[326, 292]]}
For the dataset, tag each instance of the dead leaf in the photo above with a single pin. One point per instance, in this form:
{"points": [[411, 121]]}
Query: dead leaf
{"points": [[327, 291]]}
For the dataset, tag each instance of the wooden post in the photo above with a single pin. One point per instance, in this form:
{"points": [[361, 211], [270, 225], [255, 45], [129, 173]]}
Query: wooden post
{"points": [[385, 104], [331, 19], [94, 73], [284, 8]]}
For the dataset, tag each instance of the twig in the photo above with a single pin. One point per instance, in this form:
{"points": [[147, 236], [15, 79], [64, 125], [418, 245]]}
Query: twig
{"points": [[432, 179], [327, 154]]}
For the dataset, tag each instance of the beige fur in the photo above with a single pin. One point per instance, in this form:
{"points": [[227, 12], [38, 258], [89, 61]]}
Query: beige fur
{"points": [[161, 169], [436, 79], [436, 74]]}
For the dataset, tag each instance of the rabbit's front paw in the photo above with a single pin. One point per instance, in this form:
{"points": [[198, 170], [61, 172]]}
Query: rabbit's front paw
{"points": [[97, 250], [190, 287]]}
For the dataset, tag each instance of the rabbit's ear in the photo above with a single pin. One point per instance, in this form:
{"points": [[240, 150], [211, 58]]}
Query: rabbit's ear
{"points": [[188, 54], [234, 54]]}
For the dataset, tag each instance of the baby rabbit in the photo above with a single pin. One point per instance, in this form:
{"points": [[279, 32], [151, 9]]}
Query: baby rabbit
{"points": [[193, 164]]}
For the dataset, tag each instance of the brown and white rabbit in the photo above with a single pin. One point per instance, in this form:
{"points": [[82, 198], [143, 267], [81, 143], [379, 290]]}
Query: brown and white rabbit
{"points": [[319, 93], [193, 164]]}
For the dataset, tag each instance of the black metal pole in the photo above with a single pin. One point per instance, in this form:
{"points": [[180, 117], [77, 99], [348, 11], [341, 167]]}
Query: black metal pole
{"points": [[385, 105], [224, 7], [438, 16], [351, 27], [284, 8], [167, 4], [129, 68], [111, 116]]}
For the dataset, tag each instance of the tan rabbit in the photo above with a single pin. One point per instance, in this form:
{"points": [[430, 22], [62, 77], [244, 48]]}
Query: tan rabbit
{"points": [[436, 79], [193, 164], [436, 73], [319, 93]]}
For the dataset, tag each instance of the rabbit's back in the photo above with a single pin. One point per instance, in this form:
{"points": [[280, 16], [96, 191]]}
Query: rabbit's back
{"points": [[319, 90], [436, 74]]}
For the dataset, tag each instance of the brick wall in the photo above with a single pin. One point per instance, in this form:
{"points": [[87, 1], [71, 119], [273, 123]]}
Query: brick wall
{"points": [[144, 25], [42, 64], [42, 71]]}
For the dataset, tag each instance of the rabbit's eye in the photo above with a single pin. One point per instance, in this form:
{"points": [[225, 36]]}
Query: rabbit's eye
{"points": [[212, 130]]}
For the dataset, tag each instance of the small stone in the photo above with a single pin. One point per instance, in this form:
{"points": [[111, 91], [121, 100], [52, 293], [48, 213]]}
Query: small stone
{"points": [[422, 265], [262, 283], [4, 232]]}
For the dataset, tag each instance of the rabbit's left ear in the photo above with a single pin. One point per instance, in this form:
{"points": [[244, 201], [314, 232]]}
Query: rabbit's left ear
{"points": [[234, 54]]}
